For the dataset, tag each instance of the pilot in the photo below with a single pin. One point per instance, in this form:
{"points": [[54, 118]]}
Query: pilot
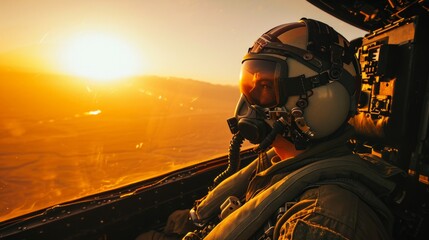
{"points": [[300, 84]]}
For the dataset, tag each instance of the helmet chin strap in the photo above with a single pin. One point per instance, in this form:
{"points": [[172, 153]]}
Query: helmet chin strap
{"points": [[301, 133], [299, 139]]}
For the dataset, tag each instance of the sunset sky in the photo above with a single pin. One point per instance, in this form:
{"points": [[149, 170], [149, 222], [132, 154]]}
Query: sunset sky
{"points": [[198, 39]]}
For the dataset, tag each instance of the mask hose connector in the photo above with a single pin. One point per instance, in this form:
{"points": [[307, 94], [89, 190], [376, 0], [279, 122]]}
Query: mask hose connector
{"points": [[298, 115], [233, 159], [279, 127]]}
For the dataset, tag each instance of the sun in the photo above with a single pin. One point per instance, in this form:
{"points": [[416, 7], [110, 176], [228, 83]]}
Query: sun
{"points": [[100, 57]]}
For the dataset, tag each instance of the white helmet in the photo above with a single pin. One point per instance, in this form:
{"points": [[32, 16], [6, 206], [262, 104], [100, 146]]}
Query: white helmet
{"points": [[303, 74]]}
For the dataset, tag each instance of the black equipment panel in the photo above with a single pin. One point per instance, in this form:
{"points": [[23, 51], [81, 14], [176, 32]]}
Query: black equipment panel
{"points": [[393, 116]]}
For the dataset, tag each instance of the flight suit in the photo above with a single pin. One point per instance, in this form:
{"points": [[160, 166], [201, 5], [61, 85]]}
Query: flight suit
{"points": [[332, 194], [327, 193]]}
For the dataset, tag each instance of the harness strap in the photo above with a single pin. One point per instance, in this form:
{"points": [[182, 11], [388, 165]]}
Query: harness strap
{"points": [[300, 85]]}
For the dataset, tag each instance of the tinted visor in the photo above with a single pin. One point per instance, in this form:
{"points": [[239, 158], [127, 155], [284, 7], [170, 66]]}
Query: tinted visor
{"points": [[258, 82]]}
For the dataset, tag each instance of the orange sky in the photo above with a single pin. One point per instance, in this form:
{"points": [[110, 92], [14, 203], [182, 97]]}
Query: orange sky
{"points": [[198, 39]]}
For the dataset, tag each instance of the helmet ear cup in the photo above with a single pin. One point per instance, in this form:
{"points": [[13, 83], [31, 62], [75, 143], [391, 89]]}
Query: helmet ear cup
{"points": [[328, 108]]}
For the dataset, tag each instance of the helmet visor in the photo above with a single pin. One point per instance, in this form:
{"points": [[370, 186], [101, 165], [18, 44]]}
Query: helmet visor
{"points": [[258, 82]]}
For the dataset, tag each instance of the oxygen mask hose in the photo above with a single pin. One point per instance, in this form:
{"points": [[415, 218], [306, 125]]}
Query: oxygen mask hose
{"points": [[233, 159], [279, 127]]}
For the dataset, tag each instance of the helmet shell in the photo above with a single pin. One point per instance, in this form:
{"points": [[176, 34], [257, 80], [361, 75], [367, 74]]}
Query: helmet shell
{"points": [[330, 105]]}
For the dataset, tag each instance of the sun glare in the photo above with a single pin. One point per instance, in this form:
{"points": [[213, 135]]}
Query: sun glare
{"points": [[100, 57]]}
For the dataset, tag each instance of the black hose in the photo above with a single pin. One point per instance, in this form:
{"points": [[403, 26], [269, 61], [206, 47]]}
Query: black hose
{"points": [[278, 128], [233, 159]]}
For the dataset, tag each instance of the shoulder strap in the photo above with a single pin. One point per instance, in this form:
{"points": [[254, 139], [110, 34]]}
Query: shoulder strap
{"points": [[236, 185]]}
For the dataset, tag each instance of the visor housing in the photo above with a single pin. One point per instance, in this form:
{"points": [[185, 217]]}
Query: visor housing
{"points": [[260, 79]]}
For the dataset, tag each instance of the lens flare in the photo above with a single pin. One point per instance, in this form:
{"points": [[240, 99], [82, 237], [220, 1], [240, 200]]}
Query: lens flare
{"points": [[100, 57]]}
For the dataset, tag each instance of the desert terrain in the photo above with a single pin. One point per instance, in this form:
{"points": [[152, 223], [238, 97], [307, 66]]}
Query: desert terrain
{"points": [[62, 137]]}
